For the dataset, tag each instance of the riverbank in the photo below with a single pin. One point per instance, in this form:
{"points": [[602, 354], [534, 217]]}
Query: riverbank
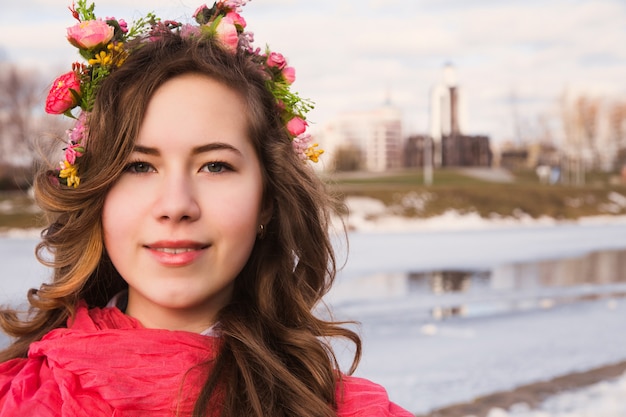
{"points": [[366, 214], [604, 384]]}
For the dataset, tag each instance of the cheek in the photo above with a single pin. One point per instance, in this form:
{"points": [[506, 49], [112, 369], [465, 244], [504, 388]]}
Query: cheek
{"points": [[117, 219], [238, 211], [234, 213]]}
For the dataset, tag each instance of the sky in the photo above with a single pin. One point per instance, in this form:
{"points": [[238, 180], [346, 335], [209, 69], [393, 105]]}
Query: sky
{"points": [[514, 59]]}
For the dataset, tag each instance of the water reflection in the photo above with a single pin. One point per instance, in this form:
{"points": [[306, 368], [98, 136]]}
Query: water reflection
{"points": [[502, 289]]}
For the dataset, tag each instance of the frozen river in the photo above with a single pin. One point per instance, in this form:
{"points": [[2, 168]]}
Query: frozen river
{"points": [[447, 316]]}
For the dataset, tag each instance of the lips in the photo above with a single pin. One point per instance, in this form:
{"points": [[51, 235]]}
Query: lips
{"points": [[176, 245], [176, 253]]}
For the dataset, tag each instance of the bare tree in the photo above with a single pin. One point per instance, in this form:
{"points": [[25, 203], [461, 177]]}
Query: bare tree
{"points": [[347, 158], [20, 96], [587, 110], [580, 118], [617, 123], [617, 131]]}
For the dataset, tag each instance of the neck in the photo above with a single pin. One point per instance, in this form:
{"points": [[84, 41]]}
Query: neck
{"points": [[156, 317]]}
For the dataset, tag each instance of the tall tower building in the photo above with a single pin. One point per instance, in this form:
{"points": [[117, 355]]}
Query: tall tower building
{"points": [[447, 111]]}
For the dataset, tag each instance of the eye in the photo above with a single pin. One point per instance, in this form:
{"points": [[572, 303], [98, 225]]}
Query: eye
{"points": [[216, 167], [139, 167]]}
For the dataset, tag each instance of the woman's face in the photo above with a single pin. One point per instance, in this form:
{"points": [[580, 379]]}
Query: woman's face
{"points": [[181, 221]]}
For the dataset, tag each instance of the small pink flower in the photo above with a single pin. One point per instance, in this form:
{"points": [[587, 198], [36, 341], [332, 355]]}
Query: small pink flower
{"points": [[202, 15], [226, 32], [54, 179], [296, 126], [78, 134], [237, 19], [289, 74], [73, 151], [63, 95], [274, 59], [90, 33], [190, 31], [300, 144], [199, 10], [232, 4], [123, 25]]}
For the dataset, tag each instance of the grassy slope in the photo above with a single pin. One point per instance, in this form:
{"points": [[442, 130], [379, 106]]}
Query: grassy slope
{"points": [[17, 210], [405, 193]]}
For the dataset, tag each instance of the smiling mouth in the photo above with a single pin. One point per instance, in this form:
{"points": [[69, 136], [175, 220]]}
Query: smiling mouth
{"points": [[177, 253], [176, 247], [174, 251]]}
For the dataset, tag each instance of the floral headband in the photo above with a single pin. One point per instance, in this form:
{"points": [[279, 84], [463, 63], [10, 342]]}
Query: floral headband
{"points": [[105, 45]]}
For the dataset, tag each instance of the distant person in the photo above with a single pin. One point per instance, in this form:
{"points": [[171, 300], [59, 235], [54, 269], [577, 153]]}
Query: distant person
{"points": [[543, 172], [188, 236]]}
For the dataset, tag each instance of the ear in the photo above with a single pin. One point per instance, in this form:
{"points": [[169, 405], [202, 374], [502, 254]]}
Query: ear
{"points": [[266, 212]]}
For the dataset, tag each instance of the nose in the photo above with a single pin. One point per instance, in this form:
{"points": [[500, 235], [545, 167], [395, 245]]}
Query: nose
{"points": [[176, 200]]}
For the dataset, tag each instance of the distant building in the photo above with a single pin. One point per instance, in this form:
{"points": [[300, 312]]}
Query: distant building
{"points": [[447, 111], [528, 156], [447, 144], [464, 151], [416, 151], [375, 136]]}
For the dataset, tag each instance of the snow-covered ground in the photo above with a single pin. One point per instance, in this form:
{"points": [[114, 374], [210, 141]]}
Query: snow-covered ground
{"points": [[371, 215], [604, 399], [504, 324]]}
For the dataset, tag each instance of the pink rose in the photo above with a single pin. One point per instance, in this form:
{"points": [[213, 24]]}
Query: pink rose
{"points": [[64, 93], [277, 60], [90, 33], [296, 126], [289, 74], [226, 32], [239, 21]]}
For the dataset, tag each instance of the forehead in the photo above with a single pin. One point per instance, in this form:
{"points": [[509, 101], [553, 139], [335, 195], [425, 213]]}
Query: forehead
{"points": [[194, 106]]}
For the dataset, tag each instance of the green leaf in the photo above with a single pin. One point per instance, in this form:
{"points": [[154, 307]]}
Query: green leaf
{"points": [[85, 12]]}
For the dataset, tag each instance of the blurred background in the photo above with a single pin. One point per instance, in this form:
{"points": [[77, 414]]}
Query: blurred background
{"points": [[480, 149]]}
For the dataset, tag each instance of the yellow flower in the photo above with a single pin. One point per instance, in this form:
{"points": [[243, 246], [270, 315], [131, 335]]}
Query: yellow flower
{"points": [[102, 58], [312, 153], [70, 173], [118, 53]]}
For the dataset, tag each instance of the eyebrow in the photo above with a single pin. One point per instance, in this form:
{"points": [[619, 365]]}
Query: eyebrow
{"points": [[214, 146]]}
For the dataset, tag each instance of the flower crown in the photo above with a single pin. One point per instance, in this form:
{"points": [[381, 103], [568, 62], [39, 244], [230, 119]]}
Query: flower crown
{"points": [[106, 44]]}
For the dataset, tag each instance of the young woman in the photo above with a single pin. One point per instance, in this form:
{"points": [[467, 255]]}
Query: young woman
{"points": [[189, 238]]}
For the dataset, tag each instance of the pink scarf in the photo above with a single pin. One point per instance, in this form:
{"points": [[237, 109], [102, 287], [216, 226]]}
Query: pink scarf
{"points": [[106, 364], [97, 367]]}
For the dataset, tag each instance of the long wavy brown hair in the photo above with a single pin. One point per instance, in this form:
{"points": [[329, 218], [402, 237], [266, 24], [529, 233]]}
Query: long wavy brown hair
{"points": [[276, 358]]}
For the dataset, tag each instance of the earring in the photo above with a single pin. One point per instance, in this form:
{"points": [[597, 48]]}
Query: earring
{"points": [[261, 232]]}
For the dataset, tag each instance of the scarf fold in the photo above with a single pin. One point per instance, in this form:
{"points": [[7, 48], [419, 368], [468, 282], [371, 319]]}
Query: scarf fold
{"points": [[97, 367]]}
